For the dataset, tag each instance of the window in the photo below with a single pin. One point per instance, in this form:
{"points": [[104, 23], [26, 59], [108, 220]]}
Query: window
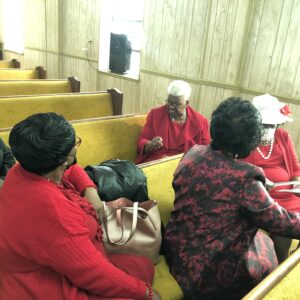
{"points": [[13, 34], [123, 18]]}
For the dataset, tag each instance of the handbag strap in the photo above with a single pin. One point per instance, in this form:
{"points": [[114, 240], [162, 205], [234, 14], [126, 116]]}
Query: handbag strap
{"points": [[118, 212], [135, 209]]}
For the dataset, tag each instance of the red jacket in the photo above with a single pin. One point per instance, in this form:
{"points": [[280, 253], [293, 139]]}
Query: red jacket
{"points": [[194, 131]]}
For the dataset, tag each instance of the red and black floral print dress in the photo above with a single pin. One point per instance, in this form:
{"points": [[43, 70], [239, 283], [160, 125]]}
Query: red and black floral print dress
{"points": [[214, 248]]}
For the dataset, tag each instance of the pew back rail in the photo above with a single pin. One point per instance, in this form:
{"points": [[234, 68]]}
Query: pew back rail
{"points": [[14, 63], [13, 73], [37, 86], [73, 106]]}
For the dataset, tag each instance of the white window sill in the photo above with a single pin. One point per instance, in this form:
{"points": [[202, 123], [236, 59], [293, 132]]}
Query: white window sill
{"points": [[134, 77]]}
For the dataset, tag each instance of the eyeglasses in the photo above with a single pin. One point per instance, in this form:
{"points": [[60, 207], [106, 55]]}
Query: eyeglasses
{"points": [[78, 141], [174, 104], [266, 126]]}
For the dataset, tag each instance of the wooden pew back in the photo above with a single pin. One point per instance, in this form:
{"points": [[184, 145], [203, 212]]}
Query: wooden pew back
{"points": [[159, 175], [37, 73], [108, 138], [14, 63], [73, 106], [37, 86], [104, 138]]}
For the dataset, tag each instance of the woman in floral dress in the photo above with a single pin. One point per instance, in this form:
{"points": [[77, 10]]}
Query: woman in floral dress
{"points": [[214, 248]]}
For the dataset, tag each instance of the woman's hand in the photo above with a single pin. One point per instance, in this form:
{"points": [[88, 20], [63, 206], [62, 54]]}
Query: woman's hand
{"points": [[153, 145], [1, 183], [297, 185], [269, 184], [156, 296]]}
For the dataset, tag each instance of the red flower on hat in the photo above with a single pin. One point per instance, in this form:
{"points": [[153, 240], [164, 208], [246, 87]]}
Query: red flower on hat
{"points": [[286, 111]]}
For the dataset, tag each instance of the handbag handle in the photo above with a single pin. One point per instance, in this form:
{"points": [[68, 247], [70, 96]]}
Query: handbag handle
{"points": [[133, 223], [135, 209]]}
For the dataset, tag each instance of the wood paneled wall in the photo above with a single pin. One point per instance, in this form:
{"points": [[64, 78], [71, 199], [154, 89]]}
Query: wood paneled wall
{"points": [[221, 47]]}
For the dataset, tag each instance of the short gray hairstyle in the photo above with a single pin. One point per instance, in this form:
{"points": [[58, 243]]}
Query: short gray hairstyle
{"points": [[179, 88]]}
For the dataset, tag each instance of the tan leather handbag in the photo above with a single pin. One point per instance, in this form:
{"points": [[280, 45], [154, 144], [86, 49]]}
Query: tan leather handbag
{"points": [[132, 228]]}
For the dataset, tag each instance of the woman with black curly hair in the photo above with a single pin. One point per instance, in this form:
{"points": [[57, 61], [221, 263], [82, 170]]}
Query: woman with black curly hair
{"points": [[215, 250]]}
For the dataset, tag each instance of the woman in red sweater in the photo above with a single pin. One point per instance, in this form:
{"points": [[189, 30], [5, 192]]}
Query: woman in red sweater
{"points": [[50, 238], [277, 157]]}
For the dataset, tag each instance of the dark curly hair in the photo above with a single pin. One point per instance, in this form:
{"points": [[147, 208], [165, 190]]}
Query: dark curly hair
{"points": [[236, 127], [42, 142]]}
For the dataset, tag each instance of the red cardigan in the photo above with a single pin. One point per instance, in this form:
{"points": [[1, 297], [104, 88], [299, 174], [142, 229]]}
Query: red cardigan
{"points": [[287, 147], [49, 248], [194, 131]]}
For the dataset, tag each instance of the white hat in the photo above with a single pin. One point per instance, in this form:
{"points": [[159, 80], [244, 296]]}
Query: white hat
{"points": [[179, 88], [272, 111]]}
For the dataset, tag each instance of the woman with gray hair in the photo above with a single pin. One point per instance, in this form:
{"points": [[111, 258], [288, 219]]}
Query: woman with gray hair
{"points": [[172, 128]]}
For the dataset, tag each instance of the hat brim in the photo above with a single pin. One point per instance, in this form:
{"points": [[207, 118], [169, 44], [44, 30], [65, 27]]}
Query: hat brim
{"points": [[279, 119]]}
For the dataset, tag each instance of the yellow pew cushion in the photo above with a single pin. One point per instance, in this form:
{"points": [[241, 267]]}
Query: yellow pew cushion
{"points": [[6, 64], [18, 74], [108, 138], [74, 106], [159, 181], [32, 87], [164, 283]]}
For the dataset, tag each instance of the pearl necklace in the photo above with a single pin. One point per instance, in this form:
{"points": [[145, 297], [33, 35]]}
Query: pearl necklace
{"points": [[270, 151]]}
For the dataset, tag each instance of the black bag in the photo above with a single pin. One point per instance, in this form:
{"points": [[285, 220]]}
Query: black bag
{"points": [[117, 178]]}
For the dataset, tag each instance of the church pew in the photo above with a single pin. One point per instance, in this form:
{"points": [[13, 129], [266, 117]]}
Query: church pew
{"points": [[37, 86], [103, 138], [282, 283], [159, 189], [37, 73], [73, 106], [108, 138], [159, 175], [14, 63]]}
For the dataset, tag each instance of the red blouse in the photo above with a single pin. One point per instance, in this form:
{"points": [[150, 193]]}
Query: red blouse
{"points": [[282, 165], [177, 138], [50, 243]]}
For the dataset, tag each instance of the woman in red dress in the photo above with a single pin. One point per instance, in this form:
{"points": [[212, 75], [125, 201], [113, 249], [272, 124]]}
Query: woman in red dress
{"points": [[172, 128], [277, 157], [50, 238]]}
